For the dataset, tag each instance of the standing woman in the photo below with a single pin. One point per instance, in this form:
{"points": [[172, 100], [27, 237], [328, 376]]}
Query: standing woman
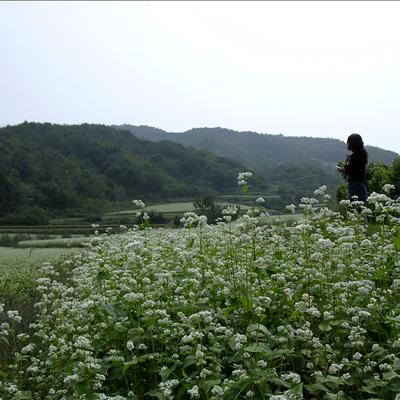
{"points": [[355, 167]]}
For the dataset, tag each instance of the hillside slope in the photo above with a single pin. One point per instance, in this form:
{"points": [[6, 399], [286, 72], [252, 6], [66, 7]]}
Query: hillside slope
{"points": [[58, 169], [260, 151]]}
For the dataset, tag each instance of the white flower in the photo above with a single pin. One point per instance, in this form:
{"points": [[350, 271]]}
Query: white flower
{"points": [[291, 377], [260, 200], [388, 188], [217, 390], [14, 316], [130, 346], [334, 368], [320, 191], [28, 348], [239, 341], [194, 392], [139, 203], [244, 175], [291, 208]]}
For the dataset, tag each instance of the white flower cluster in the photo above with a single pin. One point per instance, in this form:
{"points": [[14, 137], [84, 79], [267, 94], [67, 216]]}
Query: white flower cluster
{"points": [[191, 219], [243, 177], [139, 203]]}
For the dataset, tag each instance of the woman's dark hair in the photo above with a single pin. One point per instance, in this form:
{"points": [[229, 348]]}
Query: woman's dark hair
{"points": [[356, 144]]}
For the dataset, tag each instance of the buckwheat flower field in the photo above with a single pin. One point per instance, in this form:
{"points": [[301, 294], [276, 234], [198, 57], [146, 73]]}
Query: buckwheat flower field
{"points": [[242, 310]]}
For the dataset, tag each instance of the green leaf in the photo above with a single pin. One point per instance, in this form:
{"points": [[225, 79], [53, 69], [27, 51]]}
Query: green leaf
{"points": [[189, 360], [156, 393], [4, 340], [325, 326], [280, 382], [257, 348], [128, 364], [337, 396], [247, 303], [315, 388], [258, 327], [397, 243], [330, 379], [390, 375], [278, 353], [112, 309], [207, 385], [165, 374]]}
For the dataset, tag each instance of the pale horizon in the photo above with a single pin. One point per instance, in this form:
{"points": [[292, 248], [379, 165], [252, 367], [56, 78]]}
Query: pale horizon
{"points": [[313, 69]]}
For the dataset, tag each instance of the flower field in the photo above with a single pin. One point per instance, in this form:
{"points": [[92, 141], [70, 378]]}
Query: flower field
{"points": [[248, 310]]}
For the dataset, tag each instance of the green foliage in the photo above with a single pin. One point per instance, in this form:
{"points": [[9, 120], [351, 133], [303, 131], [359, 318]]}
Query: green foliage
{"points": [[233, 311], [300, 164], [156, 217], [258, 151], [7, 240], [208, 207], [50, 170], [341, 193], [395, 178], [378, 175]]}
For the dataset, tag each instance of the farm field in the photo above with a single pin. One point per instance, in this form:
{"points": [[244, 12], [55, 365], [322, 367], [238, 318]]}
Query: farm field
{"points": [[73, 242], [172, 208], [306, 309], [19, 270]]}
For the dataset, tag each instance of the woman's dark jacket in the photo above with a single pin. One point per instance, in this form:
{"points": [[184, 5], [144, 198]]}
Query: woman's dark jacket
{"points": [[355, 166]]}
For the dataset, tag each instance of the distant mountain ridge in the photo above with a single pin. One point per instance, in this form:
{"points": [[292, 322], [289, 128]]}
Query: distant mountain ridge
{"points": [[260, 151]]}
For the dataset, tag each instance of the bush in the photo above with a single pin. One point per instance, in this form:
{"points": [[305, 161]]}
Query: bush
{"points": [[7, 240], [28, 216], [156, 217], [93, 218], [208, 207]]}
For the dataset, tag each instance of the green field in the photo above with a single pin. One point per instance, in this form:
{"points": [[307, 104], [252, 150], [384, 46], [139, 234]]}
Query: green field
{"points": [[172, 208], [73, 242], [19, 269]]}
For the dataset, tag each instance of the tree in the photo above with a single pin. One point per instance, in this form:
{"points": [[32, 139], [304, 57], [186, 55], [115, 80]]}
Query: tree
{"points": [[208, 207], [377, 176]]}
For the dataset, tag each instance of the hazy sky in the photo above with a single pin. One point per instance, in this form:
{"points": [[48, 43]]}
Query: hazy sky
{"points": [[322, 69]]}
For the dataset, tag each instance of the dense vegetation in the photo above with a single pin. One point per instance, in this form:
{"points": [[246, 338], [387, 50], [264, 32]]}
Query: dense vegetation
{"points": [[244, 310], [70, 170]]}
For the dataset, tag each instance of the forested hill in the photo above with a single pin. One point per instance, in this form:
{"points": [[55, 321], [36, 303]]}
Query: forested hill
{"points": [[260, 151], [48, 168]]}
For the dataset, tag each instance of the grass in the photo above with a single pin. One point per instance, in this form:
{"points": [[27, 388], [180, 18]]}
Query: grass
{"points": [[79, 241], [170, 208]]}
